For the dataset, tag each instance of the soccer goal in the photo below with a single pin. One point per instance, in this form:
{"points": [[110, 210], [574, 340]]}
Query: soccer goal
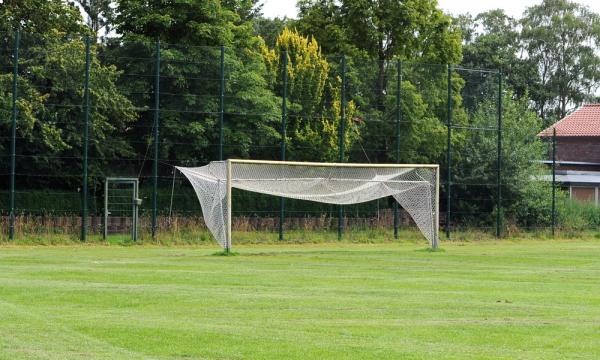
{"points": [[414, 186]]}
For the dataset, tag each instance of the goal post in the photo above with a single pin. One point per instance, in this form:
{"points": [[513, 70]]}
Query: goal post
{"points": [[414, 186], [229, 212]]}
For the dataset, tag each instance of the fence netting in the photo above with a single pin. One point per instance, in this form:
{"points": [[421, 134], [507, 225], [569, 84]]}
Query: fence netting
{"points": [[153, 106]]}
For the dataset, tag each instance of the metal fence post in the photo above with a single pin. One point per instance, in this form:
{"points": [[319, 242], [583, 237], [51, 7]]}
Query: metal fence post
{"points": [[342, 138], [221, 102], [86, 125], [553, 181], [398, 119], [156, 146], [499, 161], [449, 153], [13, 141], [283, 134]]}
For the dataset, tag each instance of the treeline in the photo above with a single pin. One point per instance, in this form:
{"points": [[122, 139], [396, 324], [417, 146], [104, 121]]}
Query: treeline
{"points": [[191, 33], [549, 55], [342, 64]]}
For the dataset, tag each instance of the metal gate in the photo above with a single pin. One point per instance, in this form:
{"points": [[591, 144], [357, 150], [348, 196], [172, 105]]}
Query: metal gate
{"points": [[121, 204]]}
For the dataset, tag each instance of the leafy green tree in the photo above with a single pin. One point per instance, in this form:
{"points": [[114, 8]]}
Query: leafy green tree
{"points": [[195, 22], [269, 29], [491, 41], [478, 164], [52, 62], [246, 9], [467, 26], [383, 29], [321, 19], [40, 17], [190, 76], [373, 34], [561, 38], [99, 13], [422, 134]]}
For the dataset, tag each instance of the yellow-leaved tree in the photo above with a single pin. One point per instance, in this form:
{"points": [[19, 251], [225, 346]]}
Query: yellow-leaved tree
{"points": [[314, 105]]}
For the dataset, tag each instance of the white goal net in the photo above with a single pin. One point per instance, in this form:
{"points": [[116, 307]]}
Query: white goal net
{"points": [[415, 187]]}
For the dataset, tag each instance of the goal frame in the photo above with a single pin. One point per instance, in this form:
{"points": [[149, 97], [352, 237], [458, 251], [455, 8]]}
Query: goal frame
{"points": [[436, 167]]}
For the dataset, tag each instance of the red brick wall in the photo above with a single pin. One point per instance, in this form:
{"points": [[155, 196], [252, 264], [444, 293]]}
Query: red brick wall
{"points": [[582, 149]]}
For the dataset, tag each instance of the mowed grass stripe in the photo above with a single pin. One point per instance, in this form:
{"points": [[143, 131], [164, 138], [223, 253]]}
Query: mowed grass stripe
{"points": [[529, 300]]}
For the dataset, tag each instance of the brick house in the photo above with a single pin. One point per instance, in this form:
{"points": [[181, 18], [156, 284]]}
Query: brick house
{"points": [[578, 152]]}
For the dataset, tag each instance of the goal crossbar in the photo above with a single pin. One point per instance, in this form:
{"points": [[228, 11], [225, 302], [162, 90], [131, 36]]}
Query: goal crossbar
{"points": [[414, 186], [330, 164]]}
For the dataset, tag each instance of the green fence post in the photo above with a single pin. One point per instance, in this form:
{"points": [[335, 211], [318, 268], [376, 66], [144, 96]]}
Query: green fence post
{"points": [[499, 162], [553, 181], [449, 153], [156, 147], [398, 120], [221, 102], [283, 134], [342, 136], [13, 141], [86, 125]]}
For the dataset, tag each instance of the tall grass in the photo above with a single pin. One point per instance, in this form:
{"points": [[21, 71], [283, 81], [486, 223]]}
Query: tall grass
{"points": [[578, 216], [187, 230], [575, 219]]}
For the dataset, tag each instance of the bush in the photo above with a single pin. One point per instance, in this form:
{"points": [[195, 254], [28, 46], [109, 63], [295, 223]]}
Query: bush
{"points": [[533, 205], [575, 215]]}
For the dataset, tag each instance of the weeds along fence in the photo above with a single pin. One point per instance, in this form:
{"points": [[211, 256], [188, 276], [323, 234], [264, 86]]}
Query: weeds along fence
{"points": [[74, 112]]}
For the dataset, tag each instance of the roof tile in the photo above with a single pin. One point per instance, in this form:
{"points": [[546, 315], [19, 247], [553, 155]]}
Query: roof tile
{"points": [[585, 121]]}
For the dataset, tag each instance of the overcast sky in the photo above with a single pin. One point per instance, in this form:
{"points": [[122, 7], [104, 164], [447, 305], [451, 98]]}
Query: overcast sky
{"points": [[281, 8]]}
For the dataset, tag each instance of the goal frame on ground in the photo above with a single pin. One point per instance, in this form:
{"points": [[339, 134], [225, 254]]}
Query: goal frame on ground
{"points": [[229, 162]]}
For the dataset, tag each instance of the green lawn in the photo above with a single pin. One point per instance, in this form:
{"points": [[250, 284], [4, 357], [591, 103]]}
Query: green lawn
{"points": [[486, 300]]}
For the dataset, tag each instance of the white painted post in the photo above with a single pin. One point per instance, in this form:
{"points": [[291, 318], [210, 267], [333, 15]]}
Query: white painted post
{"points": [[436, 236], [228, 237]]}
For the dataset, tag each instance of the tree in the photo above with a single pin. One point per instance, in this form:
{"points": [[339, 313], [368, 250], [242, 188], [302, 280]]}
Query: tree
{"points": [[494, 41], [41, 17], [269, 29], [383, 29], [468, 28], [197, 22], [321, 19], [478, 163], [491, 41], [49, 128], [373, 35], [247, 10], [190, 76], [314, 109], [561, 38], [100, 14]]}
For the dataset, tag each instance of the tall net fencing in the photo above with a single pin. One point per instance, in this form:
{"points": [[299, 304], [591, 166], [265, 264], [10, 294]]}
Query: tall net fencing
{"points": [[475, 182], [152, 106]]}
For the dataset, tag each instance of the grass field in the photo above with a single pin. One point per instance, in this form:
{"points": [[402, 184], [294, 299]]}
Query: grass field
{"points": [[479, 300]]}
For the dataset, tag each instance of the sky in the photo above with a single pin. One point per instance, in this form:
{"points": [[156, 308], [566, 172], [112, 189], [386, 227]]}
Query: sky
{"points": [[281, 8]]}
